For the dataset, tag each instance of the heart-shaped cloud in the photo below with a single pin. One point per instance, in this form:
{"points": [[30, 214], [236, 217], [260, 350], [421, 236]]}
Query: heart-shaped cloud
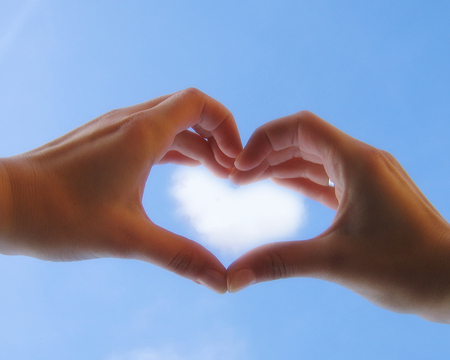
{"points": [[233, 218]]}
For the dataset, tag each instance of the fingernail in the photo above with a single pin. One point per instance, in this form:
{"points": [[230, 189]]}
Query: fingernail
{"points": [[237, 161], [240, 280], [233, 172], [214, 281], [236, 150]]}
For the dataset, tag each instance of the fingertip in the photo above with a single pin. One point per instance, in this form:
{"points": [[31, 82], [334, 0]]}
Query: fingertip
{"points": [[235, 176], [234, 149], [245, 177], [238, 163], [240, 280], [180, 255], [248, 159], [213, 280], [224, 158]]}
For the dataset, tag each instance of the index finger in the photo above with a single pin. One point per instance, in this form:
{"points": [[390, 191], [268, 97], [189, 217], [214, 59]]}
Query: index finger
{"points": [[317, 141], [191, 107]]}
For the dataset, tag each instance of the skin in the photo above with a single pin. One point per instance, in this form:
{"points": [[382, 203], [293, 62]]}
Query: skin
{"points": [[80, 196], [386, 243]]}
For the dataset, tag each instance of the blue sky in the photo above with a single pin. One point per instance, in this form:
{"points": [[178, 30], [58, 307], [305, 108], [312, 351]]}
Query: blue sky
{"points": [[378, 70]]}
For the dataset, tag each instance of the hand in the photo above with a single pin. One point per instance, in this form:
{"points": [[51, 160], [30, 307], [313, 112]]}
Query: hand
{"points": [[80, 196], [386, 243]]}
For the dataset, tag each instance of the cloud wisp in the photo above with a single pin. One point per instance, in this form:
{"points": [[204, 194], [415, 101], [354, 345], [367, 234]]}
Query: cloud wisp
{"points": [[18, 23], [232, 218], [226, 347]]}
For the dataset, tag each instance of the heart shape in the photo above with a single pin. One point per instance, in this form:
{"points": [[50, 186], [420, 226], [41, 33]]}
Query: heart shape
{"points": [[234, 219]]}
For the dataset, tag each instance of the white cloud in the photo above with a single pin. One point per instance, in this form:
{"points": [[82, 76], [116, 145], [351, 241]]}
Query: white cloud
{"points": [[236, 218]]}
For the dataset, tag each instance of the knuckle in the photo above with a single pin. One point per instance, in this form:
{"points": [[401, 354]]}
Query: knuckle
{"points": [[306, 119], [387, 154], [276, 267], [372, 158], [379, 161], [304, 114], [139, 129], [135, 131], [192, 93], [112, 115], [390, 158], [182, 262], [194, 100]]}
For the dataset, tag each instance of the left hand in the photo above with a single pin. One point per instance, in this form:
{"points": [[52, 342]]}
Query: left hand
{"points": [[386, 242], [80, 196]]}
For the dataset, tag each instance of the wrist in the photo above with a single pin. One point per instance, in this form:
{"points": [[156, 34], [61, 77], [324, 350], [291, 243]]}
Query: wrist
{"points": [[6, 207]]}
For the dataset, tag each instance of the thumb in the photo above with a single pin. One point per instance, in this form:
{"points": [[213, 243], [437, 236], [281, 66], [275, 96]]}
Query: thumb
{"points": [[277, 261], [178, 254]]}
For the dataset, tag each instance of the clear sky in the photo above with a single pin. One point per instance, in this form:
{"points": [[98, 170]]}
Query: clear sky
{"points": [[378, 70]]}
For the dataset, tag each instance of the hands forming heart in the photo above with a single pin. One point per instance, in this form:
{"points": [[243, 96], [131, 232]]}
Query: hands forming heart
{"points": [[80, 197]]}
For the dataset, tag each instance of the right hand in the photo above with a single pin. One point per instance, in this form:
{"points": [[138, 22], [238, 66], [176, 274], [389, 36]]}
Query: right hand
{"points": [[386, 242]]}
